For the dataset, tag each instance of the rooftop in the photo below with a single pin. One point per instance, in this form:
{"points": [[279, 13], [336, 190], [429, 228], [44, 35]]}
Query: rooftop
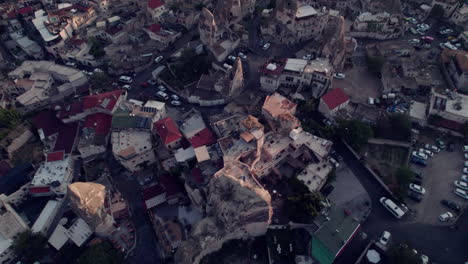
{"points": [[66, 137], [202, 138], [319, 146], [50, 172], [45, 216], [335, 98], [295, 65], [275, 67], [47, 122], [318, 65], [79, 232], [305, 11], [99, 123], [167, 130], [104, 100], [277, 104], [153, 4], [130, 143], [192, 125], [155, 28]]}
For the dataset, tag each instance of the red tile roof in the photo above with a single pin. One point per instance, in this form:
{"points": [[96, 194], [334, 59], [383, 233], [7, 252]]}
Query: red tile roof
{"points": [[12, 14], [335, 98], [96, 101], [70, 109], [113, 31], [47, 121], [39, 190], [153, 4], [66, 137], [167, 130], [152, 192], [202, 138], [100, 122], [277, 71], [55, 156], [155, 28], [25, 10]]}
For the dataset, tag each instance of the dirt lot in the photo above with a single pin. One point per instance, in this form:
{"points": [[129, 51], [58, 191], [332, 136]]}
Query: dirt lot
{"points": [[386, 159], [442, 170], [359, 84]]}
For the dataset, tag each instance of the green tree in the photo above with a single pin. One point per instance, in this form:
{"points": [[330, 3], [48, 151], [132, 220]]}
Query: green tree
{"points": [[375, 63], [404, 176], [437, 11], [402, 254], [302, 206], [191, 66], [355, 132], [9, 118], [97, 47], [30, 247], [100, 80], [102, 253], [394, 127]]}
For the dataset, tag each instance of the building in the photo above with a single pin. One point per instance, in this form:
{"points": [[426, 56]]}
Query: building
{"points": [[41, 83], [94, 136], [448, 6], [133, 149], [11, 224], [53, 176], [313, 76], [28, 46], [195, 131], [332, 102], [460, 16], [165, 37], [279, 113], [216, 35], [153, 196], [455, 68], [133, 115], [47, 216], [156, 9], [88, 201], [79, 232], [377, 26], [450, 110], [78, 51], [168, 133]]}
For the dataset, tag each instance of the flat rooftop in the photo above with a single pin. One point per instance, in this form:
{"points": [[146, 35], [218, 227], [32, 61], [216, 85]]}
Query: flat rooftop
{"points": [[49, 172], [295, 65], [305, 11], [128, 143]]}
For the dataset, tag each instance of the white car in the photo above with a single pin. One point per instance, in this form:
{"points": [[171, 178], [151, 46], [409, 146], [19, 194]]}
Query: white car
{"points": [[461, 184], [158, 59], [432, 148], [446, 217], [384, 238], [152, 82], [174, 97], [420, 155], [370, 100], [127, 87], [417, 188], [339, 75], [466, 163], [465, 170], [227, 66], [266, 46], [307, 57], [464, 178], [414, 41], [71, 64], [97, 70], [242, 56], [427, 152], [176, 103], [161, 88], [232, 58], [461, 193], [465, 148], [162, 95], [465, 155], [424, 259]]}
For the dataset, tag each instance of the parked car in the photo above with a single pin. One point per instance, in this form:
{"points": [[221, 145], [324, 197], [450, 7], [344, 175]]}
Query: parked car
{"points": [[227, 66], [384, 238], [465, 148], [419, 161], [432, 148], [420, 155], [427, 152], [415, 196], [71, 64], [266, 46], [158, 59], [370, 100], [232, 58], [424, 259], [464, 178], [161, 88], [162, 95], [242, 56], [127, 87], [152, 82], [307, 57], [451, 204], [339, 75], [176, 103], [446, 217], [125, 79], [461, 184], [414, 41], [461, 193], [97, 70], [174, 97], [144, 84], [465, 170], [417, 188]]}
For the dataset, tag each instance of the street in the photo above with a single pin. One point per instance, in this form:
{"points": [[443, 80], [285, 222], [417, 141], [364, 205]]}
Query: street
{"points": [[440, 243]]}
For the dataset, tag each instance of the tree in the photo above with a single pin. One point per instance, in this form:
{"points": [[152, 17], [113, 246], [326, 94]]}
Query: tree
{"points": [[375, 63], [100, 80], [394, 127], [97, 47], [302, 206], [355, 132], [9, 118], [404, 176], [102, 253], [402, 254], [30, 247], [191, 66], [437, 11]]}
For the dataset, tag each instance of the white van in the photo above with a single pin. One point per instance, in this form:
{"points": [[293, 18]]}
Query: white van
{"points": [[392, 207], [125, 79]]}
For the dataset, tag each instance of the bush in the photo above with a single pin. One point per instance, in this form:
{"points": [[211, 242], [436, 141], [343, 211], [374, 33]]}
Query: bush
{"points": [[394, 127], [30, 247], [355, 132]]}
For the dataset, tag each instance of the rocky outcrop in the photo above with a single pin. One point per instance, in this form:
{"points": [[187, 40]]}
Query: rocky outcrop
{"points": [[236, 207]]}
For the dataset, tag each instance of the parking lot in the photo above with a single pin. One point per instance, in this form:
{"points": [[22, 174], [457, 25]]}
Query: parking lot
{"points": [[438, 177], [359, 84]]}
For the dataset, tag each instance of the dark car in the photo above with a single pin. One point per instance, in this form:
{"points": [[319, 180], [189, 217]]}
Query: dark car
{"points": [[144, 84], [415, 196], [451, 204], [450, 147]]}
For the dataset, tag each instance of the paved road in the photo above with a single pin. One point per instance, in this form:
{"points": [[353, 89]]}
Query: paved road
{"points": [[441, 244]]}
